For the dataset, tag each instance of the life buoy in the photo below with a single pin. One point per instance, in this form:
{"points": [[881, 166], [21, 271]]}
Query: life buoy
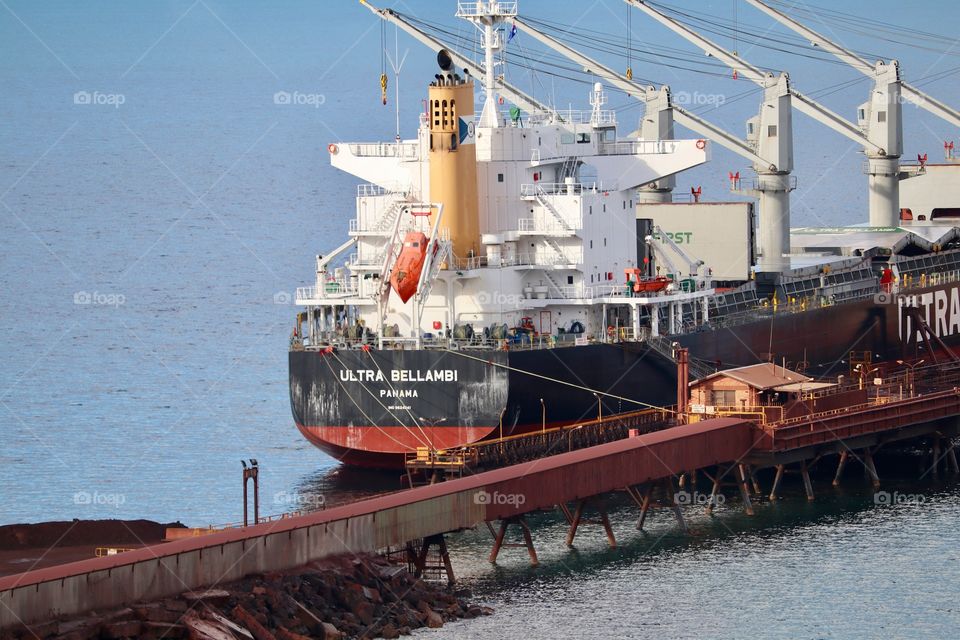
{"points": [[701, 144], [611, 331], [333, 149]]}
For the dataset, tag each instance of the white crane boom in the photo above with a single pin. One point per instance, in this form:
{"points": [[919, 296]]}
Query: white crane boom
{"points": [[909, 92], [803, 104], [680, 115], [509, 91]]}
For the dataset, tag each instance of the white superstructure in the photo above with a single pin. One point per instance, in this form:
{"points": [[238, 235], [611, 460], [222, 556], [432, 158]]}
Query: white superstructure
{"points": [[557, 215], [556, 196]]}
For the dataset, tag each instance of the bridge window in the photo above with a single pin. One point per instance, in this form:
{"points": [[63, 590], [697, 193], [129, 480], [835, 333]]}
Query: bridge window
{"points": [[723, 398], [583, 138], [881, 116], [772, 131], [566, 138], [945, 212], [569, 279]]}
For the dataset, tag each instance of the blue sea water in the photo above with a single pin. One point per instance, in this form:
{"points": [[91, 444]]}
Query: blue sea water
{"points": [[158, 209]]}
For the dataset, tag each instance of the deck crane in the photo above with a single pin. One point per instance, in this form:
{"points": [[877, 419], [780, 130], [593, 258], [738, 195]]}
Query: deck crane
{"points": [[509, 91], [908, 91], [772, 157], [660, 241], [881, 134]]}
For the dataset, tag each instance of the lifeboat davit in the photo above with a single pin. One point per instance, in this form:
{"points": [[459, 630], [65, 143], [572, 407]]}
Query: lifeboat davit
{"points": [[406, 271]]}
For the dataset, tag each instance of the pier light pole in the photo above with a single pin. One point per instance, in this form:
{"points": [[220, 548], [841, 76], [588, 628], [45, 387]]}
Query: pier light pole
{"points": [[570, 437], [864, 372], [432, 423], [251, 473], [910, 378], [502, 411], [543, 417]]}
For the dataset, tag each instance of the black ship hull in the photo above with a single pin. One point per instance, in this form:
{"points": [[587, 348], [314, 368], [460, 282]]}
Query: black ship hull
{"points": [[370, 407]]}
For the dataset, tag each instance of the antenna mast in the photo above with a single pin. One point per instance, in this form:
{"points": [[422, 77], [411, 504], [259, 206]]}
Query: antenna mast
{"points": [[486, 15]]}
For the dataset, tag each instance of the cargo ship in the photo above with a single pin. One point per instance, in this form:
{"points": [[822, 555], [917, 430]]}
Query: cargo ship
{"points": [[528, 267]]}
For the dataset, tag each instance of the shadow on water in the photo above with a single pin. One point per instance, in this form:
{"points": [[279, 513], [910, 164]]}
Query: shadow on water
{"points": [[853, 502], [340, 484]]}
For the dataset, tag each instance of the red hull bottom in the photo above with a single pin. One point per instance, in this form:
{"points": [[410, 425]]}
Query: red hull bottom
{"points": [[385, 447]]}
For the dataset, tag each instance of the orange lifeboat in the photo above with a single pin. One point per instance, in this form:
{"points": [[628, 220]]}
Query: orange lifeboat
{"points": [[406, 271], [652, 285]]}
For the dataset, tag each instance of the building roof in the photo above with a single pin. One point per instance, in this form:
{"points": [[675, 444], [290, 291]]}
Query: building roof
{"points": [[762, 377], [799, 387]]}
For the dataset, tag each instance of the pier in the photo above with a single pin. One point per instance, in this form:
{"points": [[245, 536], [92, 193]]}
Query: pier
{"points": [[729, 451]]}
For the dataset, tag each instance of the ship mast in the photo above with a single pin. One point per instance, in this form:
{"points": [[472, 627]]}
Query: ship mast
{"points": [[512, 93], [486, 16]]}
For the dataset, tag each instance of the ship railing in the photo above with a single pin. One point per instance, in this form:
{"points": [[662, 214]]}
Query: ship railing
{"points": [[342, 287], [531, 190], [365, 259], [403, 150], [606, 117], [913, 281], [494, 7], [542, 258], [754, 184], [637, 147], [535, 225]]}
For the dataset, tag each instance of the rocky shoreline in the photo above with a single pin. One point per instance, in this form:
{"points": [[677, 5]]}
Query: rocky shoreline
{"points": [[347, 597]]}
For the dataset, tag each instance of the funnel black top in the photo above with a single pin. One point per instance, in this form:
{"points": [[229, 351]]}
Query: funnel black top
{"points": [[444, 60]]}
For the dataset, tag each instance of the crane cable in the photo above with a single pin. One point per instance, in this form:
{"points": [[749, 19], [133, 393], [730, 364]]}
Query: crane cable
{"points": [[362, 412], [387, 380], [383, 61], [557, 381]]}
